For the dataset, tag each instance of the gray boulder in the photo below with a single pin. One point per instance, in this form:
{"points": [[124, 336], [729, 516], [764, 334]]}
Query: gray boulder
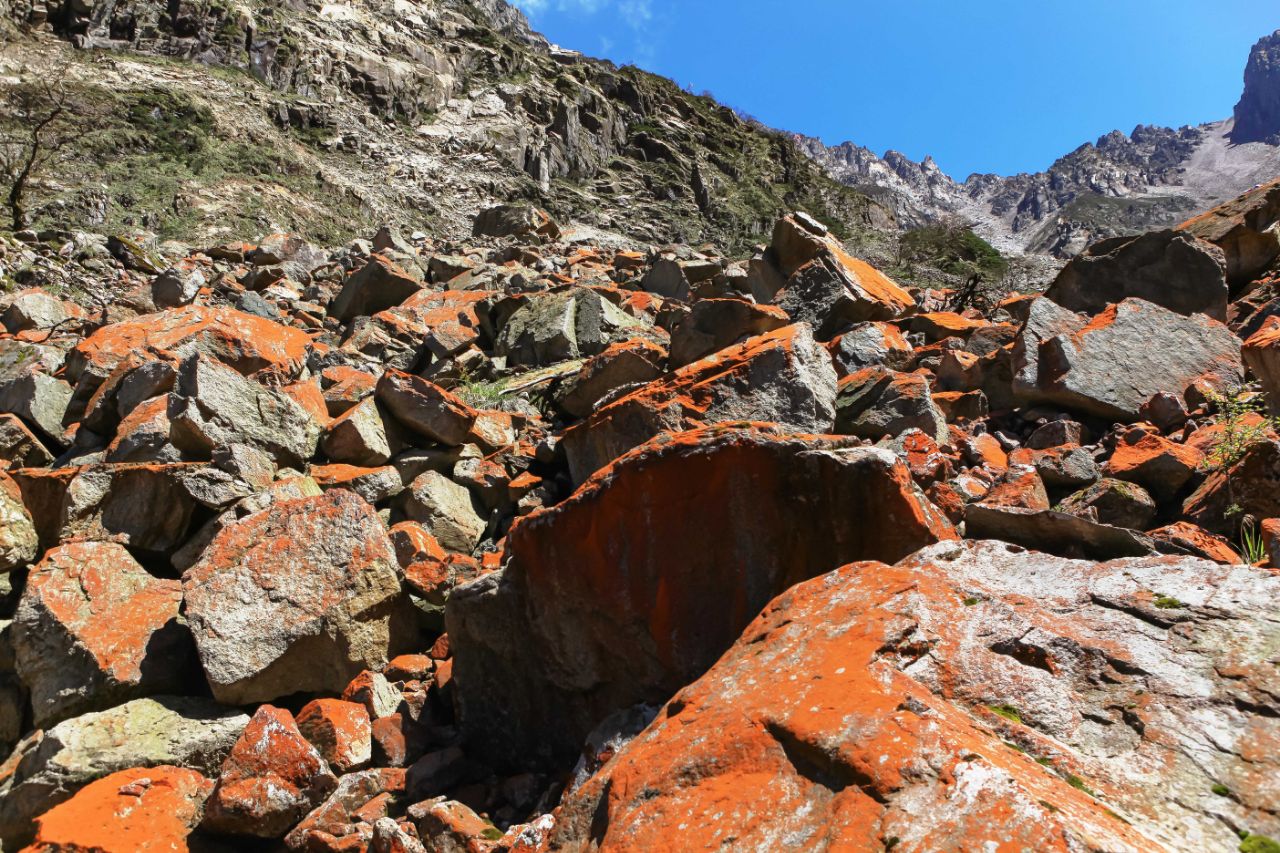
{"points": [[213, 406], [19, 543], [343, 612], [556, 327], [1171, 269], [1112, 366], [879, 403], [446, 510]]}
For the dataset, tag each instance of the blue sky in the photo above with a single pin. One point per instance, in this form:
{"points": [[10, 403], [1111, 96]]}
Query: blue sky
{"points": [[1001, 86]]}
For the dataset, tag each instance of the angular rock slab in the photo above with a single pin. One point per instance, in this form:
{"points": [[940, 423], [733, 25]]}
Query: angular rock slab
{"points": [[857, 709], [1129, 353], [632, 587], [93, 628], [783, 377], [300, 596]]}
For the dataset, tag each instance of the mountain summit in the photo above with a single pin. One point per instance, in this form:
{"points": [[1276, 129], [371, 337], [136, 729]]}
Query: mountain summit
{"points": [[1257, 115]]}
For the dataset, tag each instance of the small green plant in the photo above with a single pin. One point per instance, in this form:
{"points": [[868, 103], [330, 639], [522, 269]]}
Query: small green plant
{"points": [[1168, 602], [1252, 546], [1009, 712], [970, 601], [1259, 844], [1243, 423], [1221, 790], [492, 833]]}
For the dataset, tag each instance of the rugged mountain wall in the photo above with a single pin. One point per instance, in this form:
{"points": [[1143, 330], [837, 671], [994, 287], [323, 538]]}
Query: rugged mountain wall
{"points": [[218, 118], [1122, 184], [1257, 115]]}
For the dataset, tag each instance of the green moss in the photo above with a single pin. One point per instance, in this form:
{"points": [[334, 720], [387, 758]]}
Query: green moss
{"points": [[1259, 844], [1009, 712], [1076, 782], [1168, 602], [492, 833], [971, 601], [1050, 807], [1221, 790]]}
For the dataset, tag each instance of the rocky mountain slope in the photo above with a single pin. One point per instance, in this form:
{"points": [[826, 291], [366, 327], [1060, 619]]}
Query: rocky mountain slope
{"points": [[1122, 184], [218, 119], [514, 544], [492, 533]]}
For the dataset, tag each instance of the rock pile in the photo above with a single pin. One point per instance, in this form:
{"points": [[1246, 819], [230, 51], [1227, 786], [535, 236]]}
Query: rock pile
{"points": [[524, 544]]}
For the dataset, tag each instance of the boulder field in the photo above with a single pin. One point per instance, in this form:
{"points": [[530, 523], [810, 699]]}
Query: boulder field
{"points": [[530, 544]]}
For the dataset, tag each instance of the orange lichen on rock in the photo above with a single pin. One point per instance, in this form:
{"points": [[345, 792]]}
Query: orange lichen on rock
{"points": [[248, 343], [653, 567], [133, 811], [856, 713]]}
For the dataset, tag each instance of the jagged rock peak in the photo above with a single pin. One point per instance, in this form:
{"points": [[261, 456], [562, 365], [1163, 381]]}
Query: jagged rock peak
{"points": [[1258, 113]]}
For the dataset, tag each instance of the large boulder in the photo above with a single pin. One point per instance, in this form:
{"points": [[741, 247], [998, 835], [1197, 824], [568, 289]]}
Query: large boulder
{"points": [[1261, 353], [1112, 366], [146, 507], [93, 629], [139, 810], [563, 325], [1249, 486], [1247, 229], [713, 324], [343, 612], [877, 403], [377, 286], [247, 343], [972, 697], [39, 399], [633, 587], [826, 286], [783, 376], [214, 406], [1172, 269], [51, 765], [515, 220], [426, 408]]}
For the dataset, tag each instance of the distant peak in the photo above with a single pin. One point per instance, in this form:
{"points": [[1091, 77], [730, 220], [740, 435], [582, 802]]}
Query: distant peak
{"points": [[1258, 113]]}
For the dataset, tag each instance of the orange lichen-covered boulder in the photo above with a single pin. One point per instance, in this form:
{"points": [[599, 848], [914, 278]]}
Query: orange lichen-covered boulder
{"points": [[340, 730], [1244, 228], [246, 342], [1159, 465], [132, 811], [300, 596], [93, 629], [825, 285], [270, 780], [973, 697], [783, 376], [633, 587]]}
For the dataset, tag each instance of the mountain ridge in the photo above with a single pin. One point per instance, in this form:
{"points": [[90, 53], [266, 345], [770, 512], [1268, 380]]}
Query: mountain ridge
{"points": [[1119, 184]]}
